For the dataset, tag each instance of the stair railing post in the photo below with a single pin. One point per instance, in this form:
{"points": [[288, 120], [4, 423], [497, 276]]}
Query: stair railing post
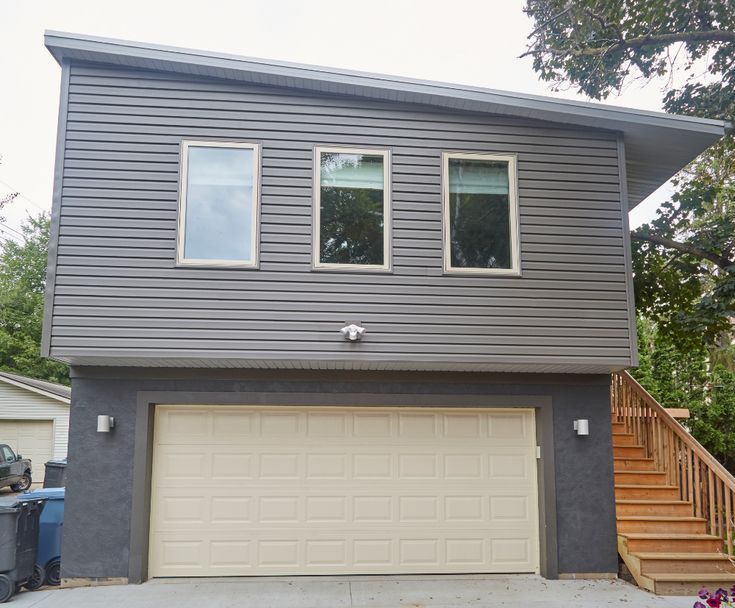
{"points": [[697, 487], [711, 500], [728, 521]]}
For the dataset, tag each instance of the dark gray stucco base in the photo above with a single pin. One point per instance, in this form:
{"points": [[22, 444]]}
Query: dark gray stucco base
{"points": [[108, 481]]}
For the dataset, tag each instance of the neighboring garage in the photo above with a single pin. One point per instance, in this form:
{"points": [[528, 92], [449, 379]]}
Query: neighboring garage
{"points": [[240, 490], [34, 419]]}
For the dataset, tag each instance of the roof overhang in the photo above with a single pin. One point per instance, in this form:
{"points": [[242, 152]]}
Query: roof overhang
{"points": [[34, 389], [657, 144]]}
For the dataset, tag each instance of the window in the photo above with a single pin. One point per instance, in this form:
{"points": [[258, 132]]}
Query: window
{"points": [[8, 454], [352, 209], [218, 208], [480, 209]]}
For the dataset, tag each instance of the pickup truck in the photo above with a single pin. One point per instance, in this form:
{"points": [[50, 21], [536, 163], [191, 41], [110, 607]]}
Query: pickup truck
{"points": [[15, 471]]}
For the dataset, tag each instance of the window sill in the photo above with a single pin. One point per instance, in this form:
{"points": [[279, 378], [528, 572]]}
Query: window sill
{"points": [[482, 273], [217, 265], [348, 269]]}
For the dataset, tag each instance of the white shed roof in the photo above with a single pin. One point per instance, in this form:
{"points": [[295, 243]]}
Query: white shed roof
{"points": [[49, 389]]}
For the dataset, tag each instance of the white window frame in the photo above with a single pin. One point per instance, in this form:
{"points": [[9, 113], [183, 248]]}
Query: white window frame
{"points": [[386, 266], [515, 253], [181, 223]]}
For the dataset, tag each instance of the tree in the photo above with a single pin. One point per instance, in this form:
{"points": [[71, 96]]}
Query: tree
{"points": [[690, 378], [22, 284], [6, 198], [674, 377], [713, 419], [684, 260]]}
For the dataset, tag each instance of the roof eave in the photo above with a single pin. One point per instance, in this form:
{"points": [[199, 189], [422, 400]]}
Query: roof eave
{"points": [[35, 389], [661, 143]]}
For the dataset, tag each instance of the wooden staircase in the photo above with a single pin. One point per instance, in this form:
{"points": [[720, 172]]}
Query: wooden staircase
{"points": [[673, 502]]}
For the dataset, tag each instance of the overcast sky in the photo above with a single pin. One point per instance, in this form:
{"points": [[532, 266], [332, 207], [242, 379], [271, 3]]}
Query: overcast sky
{"points": [[475, 42]]}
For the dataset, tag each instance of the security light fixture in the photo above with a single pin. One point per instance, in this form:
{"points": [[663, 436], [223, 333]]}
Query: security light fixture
{"points": [[352, 331]]}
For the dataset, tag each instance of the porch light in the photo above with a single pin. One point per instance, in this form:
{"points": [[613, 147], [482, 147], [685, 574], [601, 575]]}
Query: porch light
{"points": [[105, 424], [582, 426]]}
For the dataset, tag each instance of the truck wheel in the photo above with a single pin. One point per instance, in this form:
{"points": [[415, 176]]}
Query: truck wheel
{"points": [[24, 483], [7, 588], [53, 573], [37, 578]]}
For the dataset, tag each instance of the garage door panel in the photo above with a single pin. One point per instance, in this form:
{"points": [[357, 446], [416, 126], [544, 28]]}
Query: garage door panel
{"points": [[273, 428], [496, 511], [258, 510], [342, 490], [347, 553], [210, 466]]}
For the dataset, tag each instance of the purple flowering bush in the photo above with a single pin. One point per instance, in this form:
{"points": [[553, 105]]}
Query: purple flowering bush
{"points": [[716, 599]]}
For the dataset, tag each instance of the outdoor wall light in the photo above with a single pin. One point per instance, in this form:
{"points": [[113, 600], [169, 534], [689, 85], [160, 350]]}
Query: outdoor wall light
{"points": [[582, 426], [105, 424], [352, 331]]}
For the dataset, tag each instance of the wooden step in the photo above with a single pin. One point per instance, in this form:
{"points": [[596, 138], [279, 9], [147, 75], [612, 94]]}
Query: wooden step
{"points": [[634, 464], [646, 492], [629, 451], [668, 508], [690, 583], [620, 439], [686, 563], [641, 542], [618, 427], [656, 478], [658, 523]]}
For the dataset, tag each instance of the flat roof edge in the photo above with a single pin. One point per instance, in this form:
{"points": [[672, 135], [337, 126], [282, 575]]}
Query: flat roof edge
{"points": [[62, 44]]}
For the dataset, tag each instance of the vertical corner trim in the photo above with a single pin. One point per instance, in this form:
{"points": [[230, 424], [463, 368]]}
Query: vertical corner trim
{"points": [[627, 254], [48, 299]]}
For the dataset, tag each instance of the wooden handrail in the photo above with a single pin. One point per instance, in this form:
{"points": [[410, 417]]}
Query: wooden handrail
{"points": [[682, 432], [700, 477]]}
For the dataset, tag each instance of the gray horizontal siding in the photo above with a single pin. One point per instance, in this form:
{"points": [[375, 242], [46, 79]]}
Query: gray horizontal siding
{"points": [[118, 297]]}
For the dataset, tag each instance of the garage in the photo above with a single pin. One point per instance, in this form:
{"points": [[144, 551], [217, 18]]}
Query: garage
{"points": [[32, 439], [34, 419], [240, 490]]}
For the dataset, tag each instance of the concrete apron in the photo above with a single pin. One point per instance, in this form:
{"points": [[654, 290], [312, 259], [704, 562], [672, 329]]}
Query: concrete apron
{"points": [[424, 591]]}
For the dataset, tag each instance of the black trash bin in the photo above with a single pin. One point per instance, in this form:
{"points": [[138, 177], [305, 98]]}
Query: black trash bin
{"points": [[19, 524], [55, 474]]}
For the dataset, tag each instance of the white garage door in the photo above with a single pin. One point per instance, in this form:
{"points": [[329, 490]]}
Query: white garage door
{"points": [[32, 439], [283, 490]]}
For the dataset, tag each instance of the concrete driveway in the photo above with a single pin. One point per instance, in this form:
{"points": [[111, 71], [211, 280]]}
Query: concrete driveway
{"points": [[354, 592]]}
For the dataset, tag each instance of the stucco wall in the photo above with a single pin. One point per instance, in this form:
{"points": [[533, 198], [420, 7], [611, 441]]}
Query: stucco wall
{"points": [[105, 529]]}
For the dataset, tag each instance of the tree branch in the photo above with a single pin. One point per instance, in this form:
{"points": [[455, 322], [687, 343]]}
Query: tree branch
{"points": [[543, 24], [642, 41], [720, 261]]}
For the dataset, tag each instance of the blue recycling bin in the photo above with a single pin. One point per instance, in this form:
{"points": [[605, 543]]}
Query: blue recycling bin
{"points": [[48, 557]]}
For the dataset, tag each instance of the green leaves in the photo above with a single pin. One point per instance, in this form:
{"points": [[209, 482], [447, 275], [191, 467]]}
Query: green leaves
{"points": [[693, 377], [690, 291], [597, 45], [684, 260], [22, 284], [713, 419]]}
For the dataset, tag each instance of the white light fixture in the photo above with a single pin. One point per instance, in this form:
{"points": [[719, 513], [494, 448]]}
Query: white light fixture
{"points": [[352, 331], [582, 426], [105, 424]]}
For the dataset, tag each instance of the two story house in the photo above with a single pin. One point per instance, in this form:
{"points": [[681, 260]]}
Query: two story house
{"points": [[336, 322]]}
